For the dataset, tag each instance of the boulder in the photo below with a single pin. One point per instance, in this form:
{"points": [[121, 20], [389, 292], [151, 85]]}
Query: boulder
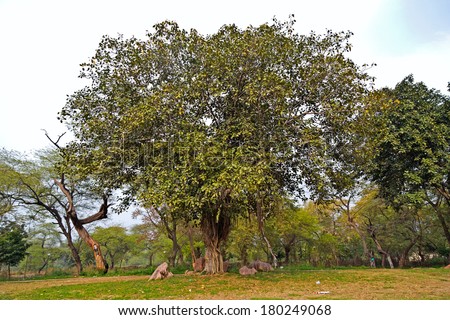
{"points": [[245, 271], [261, 266], [161, 272]]}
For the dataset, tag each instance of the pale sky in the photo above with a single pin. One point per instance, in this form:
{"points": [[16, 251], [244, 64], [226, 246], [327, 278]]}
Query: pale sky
{"points": [[43, 42]]}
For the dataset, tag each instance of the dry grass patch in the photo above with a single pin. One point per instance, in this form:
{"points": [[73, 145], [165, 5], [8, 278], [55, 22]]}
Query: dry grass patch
{"points": [[282, 284]]}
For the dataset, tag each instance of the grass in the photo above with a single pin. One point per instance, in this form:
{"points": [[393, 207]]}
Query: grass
{"points": [[288, 283]]}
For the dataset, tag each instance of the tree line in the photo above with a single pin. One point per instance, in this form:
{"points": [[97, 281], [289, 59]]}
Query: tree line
{"points": [[255, 143]]}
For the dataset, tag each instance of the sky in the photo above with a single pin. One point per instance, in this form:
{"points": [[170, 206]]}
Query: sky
{"points": [[42, 44]]}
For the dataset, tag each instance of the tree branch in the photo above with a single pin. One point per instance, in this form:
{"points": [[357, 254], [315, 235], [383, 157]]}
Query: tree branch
{"points": [[101, 214]]}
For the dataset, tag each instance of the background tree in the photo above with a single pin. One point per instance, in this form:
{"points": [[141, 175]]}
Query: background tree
{"points": [[33, 186], [289, 227], [116, 241], [46, 247], [245, 243], [167, 221], [412, 140], [13, 244]]}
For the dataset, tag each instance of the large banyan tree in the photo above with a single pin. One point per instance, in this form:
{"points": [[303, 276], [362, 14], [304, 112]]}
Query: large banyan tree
{"points": [[214, 126]]}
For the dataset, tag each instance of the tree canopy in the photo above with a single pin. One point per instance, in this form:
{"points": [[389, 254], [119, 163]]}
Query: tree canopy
{"points": [[214, 126]]}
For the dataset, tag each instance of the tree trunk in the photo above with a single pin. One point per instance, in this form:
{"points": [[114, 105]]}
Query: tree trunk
{"points": [[443, 224], [215, 229], [351, 221], [243, 255], [288, 248], [287, 251], [213, 257], [404, 256], [259, 216], [100, 261], [113, 262], [150, 259], [384, 253], [75, 256], [43, 266]]}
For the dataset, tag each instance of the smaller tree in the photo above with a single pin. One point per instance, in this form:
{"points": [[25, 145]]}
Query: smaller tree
{"points": [[289, 226], [13, 244], [411, 137], [116, 241]]}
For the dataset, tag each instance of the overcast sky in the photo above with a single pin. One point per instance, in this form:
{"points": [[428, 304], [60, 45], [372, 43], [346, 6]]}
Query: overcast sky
{"points": [[43, 42]]}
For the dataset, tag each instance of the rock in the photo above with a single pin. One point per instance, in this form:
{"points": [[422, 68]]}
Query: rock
{"points": [[161, 272], [261, 266], [199, 264], [247, 271]]}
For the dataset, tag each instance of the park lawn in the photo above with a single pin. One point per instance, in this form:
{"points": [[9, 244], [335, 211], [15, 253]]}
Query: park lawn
{"points": [[357, 284]]}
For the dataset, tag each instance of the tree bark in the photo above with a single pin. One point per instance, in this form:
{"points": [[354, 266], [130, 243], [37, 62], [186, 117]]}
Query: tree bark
{"points": [[443, 224], [215, 229], [404, 256], [288, 247], [171, 228], [100, 261], [385, 254], [75, 256], [213, 257], [259, 216], [351, 221]]}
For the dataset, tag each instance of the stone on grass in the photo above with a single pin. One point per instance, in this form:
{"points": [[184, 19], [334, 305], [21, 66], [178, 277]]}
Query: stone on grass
{"points": [[161, 272], [245, 271]]}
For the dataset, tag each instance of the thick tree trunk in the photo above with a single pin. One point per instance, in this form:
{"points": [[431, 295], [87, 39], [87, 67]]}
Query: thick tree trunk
{"points": [[215, 229], [213, 257]]}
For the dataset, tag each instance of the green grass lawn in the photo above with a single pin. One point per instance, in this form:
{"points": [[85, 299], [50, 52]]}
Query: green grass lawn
{"points": [[280, 284]]}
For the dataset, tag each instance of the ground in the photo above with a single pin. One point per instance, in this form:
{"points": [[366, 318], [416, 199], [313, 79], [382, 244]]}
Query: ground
{"points": [[357, 284]]}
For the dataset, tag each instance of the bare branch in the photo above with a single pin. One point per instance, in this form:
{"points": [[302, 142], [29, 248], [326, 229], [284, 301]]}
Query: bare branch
{"points": [[55, 143]]}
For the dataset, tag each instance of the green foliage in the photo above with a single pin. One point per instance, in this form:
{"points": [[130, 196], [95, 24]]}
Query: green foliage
{"points": [[116, 241], [235, 110], [13, 243], [412, 143], [209, 126]]}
